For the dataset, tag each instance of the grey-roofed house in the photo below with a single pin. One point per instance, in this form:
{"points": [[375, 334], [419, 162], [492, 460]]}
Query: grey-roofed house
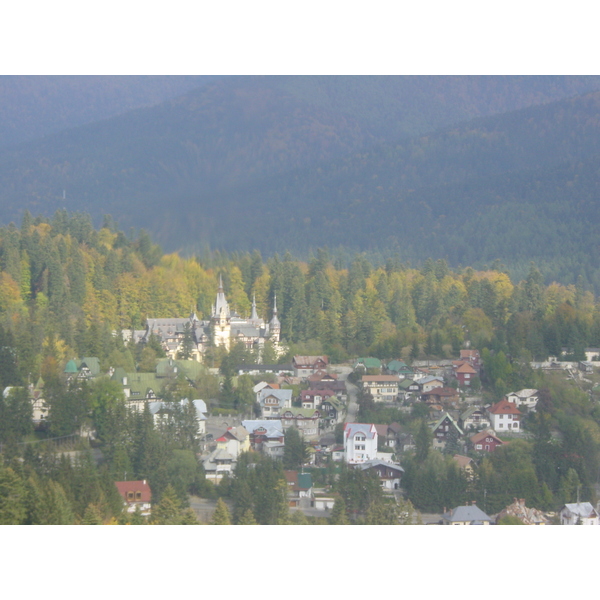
{"points": [[579, 513], [272, 402], [217, 464], [262, 431], [466, 515]]}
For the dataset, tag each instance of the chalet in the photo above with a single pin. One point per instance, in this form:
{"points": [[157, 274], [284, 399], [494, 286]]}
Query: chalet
{"points": [[528, 516], [388, 434], [474, 418], [84, 369], [218, 464], [305, 366], [364, 363], [389, 474], [440, 395], [528, 398], [321, 376], [272, 402], [580, 513], [443, 428], [399, 368], [264, 431], [485, 441], [505, 416], [306, 420], [314, 398], [466, 515], [407, 388], [331, 409], [339, 387], [383, 388], [360, 442], [136, 494]]}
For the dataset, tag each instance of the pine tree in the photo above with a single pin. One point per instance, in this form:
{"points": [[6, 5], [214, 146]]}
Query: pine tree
{"points": [[167, 512], [247, 518], [338, 514], [221, 515]]}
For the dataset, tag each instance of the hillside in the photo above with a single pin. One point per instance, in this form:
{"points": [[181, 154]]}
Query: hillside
{"points": [[421, 166]]}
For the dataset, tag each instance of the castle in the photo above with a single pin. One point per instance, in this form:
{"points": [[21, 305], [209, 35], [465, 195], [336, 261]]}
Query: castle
{"points": [[224, 328]]}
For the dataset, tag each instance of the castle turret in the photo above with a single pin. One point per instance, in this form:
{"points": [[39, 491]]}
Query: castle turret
{"points": [[274, 324], [221, 318]]}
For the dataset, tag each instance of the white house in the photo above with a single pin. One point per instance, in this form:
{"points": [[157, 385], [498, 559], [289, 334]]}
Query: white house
{"points": [[505, 416], [383, 388], [389, 474], [527, 398], [583, 512], [360, 442]]}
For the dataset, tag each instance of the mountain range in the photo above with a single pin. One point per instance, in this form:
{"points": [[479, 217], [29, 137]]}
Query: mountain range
{"points": [[470, 169]]}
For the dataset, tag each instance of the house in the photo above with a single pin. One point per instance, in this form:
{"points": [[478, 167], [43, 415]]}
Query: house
{"points": [[299, 486], [330, 410], [466, 515], [218, 464], [306, 420], [443, 428], [274, 449], [315, 398], [472, 357], [383, 388], [136, 494], [485, 441], [528, 516], [398, 367], [528, 398], [305, 366], [430, 382], [407, 388], [581, 513], [273, 401], [474, 418], [167, 412], [505, 416], [389, 474], [264, 431], [585, 366], [321, 376], [84, 369], [365, 363], [388, 434], [234, 441], [465, 463], [360, 442], [439, 395], [464, 372]]}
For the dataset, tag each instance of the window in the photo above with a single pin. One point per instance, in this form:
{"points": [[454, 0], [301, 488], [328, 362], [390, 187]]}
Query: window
{"points": [[129, 495], [478, 447], [138, 495]]}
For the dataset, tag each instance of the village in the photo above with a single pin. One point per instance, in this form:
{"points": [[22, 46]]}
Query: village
{"points": [[320, 402]]}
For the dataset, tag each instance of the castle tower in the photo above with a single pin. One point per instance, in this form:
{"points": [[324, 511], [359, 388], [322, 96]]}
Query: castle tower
{"points": [[274, 324], [221, 318]]}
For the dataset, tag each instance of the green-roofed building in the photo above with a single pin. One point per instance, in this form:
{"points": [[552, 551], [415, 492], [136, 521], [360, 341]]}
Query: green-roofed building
{"points": [[367, 362], [71, 368], [89, 367], [169, 367]]}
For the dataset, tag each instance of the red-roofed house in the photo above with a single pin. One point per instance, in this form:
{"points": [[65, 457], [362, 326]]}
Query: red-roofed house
{"points": [[505, 416], [136, 494]]}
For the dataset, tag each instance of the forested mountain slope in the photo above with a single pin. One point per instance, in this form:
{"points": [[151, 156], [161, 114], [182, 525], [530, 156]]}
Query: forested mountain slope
{"points": [[279, 163]]}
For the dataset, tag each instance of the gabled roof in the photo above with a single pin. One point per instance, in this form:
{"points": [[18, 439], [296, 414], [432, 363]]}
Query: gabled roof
{"points": [[282, 396], [369, 464], [470, 411], [135, 486], [582, 509], [368, 429], [368, 362], [309, 360], [273, 428], [446, 392], [380, 379], [529, 516], [476, 438], [92, 363], [462, 461], [441, 419], [430, 378], [465, 367], [470, 513], [524, 394], [504, 407]]}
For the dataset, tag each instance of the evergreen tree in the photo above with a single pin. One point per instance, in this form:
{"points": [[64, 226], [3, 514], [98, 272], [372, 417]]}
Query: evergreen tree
{"points": [[221, 515]]}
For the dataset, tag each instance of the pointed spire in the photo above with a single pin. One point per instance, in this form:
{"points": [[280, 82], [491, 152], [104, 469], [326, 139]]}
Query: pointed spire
{"points": [[220, 283], [254, 315]]}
